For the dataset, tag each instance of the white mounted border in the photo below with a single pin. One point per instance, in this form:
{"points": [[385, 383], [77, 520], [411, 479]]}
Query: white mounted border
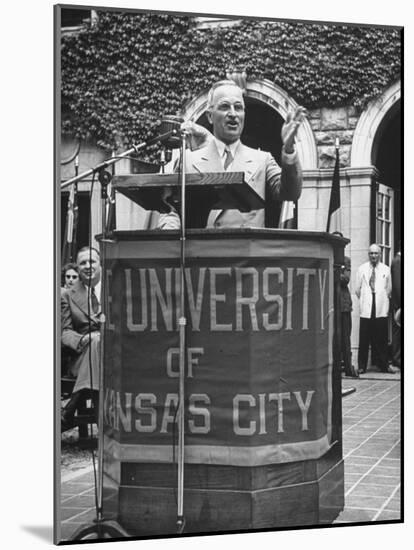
{"points": [[369, 123], [277, 99]]}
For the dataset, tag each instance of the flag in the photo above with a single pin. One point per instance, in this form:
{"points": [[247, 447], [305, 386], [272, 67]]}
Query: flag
{"points": [[288, 216], [71, 228], [70, 238], [334, 213]]}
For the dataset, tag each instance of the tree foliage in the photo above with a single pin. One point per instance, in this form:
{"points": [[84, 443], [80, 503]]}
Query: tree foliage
{"points": [[123, 74]]}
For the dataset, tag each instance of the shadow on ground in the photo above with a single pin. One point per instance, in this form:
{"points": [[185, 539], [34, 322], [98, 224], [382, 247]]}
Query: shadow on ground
{"points": [[44, 532]]}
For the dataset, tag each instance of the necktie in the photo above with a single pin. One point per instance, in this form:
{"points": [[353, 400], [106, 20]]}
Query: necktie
{"points": [[94, 301], [372, 280], [228, 158]]}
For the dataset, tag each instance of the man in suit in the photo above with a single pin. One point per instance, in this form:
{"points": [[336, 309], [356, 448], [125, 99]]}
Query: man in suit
{"points": [[225, 152], [346, 319], [80, 316], [373, 289]]}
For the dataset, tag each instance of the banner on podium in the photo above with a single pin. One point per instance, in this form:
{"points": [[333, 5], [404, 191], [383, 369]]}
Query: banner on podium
{"points": [[258, 365]]}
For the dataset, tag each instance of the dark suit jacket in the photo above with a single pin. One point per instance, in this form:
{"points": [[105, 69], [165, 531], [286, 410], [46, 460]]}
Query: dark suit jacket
{"points": [[272, 183], [346, 300]]}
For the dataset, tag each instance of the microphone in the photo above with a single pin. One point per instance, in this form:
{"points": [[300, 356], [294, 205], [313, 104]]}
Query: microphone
{"points": [[170, 137], [171, 126]]}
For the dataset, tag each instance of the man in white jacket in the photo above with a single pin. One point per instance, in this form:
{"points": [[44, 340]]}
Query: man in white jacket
{"points": [[373, 289]]}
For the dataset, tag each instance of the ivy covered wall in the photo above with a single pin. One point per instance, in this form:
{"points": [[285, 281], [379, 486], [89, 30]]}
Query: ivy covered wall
{"points": [[123, 74]]}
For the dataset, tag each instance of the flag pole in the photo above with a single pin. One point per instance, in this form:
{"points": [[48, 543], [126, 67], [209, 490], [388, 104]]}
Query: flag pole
{"points": [[70, 234]]}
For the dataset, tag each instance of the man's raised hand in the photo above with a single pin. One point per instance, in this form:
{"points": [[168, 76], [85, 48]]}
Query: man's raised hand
{"points": [[290, 128], [197, 135]]}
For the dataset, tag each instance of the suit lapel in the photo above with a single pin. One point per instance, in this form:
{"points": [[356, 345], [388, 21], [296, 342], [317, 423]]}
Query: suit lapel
{"points": [[209, 159], [80, 297], [244, 161]]}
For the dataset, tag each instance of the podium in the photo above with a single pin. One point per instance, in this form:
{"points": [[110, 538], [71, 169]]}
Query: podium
{"points": [[204, 192], [263, 424]]}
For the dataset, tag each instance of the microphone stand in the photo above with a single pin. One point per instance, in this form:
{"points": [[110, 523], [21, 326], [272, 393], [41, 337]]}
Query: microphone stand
{"points": [[182, 356], [103, 165], [101, 527]]}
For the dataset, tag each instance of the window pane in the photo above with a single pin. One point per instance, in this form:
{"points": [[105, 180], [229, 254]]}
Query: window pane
{"points": [[379, 231], [386, 208], [379, 205], [73, 18], [387, 231]]}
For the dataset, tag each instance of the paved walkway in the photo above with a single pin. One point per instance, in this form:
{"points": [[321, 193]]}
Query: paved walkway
{"points": [[371, 430]]}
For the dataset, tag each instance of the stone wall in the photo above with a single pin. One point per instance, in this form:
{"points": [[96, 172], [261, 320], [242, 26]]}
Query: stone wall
{"points": [[327, 125]]}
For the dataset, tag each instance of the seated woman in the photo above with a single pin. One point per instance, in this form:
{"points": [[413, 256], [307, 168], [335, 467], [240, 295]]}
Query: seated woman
{"points": [[70, 275]]}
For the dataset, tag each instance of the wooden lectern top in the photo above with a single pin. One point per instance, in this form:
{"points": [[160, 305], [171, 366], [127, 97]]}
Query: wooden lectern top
{"points": [[221, 190]]}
